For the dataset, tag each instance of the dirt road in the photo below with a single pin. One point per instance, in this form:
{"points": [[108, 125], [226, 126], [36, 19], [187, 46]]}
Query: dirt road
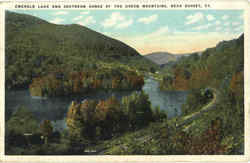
{"points": [[211, 105]]}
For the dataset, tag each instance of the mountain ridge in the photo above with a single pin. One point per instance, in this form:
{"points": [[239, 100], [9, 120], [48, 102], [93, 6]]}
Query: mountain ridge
{"points": [[161, 58], [35, 47]]}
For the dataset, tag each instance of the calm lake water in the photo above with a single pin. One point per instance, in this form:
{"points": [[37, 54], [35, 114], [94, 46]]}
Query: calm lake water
{"points": [[170, 101], [55, 109]]}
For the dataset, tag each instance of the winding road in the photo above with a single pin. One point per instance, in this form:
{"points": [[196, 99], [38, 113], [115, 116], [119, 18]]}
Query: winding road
{"points": [[181, 122], [211, 105]]}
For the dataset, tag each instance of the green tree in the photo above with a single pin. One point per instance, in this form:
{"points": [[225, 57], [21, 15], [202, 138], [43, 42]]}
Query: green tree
{"points": [[46, 130], [138, 109], [152, 70], [22, 121], [159, 115]]}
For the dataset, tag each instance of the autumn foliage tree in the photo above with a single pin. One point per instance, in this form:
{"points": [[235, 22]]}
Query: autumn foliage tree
{"points": [[208, 143], [104, 118], [236, 95], [46, 130], [237, 85], [76, 82], [110, 116]]}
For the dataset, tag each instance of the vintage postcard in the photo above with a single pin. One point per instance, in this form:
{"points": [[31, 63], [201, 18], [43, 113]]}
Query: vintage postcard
{"points": [[132, 81]]}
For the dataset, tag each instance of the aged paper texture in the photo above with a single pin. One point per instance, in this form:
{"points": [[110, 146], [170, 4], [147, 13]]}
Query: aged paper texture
{"points": [[124, 81]]}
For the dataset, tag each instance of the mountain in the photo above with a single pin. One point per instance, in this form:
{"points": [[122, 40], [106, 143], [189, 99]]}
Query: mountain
{"points": [[230, 43], [221, 69], [35, 47], [217, 64], [165, 58], [161, 58], [62, 38]]}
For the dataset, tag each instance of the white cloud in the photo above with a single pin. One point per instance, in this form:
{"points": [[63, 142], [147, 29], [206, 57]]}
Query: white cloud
{"points": [[155, 36], [149, 37], [165, 40], [218, 22], [89, 20], [57, 20], [107, 34], [161, 31], [114, 18], [236, 23], [60, 13], [84, 13], [80, 16], [242, 16], [218, 28], [227, 23], [210, 17], [206, 26], [125, 24], [240, 28], [149, 19], [77, 18], [191, 19], [225, 17], [117, 21]]}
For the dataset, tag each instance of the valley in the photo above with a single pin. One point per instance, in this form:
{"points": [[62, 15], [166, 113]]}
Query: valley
{"points": [[70, 90]]}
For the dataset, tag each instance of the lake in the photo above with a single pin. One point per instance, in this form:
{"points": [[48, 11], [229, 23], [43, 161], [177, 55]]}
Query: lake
{"points": [[55, 108]]}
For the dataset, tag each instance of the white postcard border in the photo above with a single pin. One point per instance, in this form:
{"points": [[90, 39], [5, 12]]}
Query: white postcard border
{"points": [[219, 4]]}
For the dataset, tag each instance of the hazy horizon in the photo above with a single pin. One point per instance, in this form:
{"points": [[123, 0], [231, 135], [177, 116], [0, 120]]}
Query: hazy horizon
{"points": [[149, 31]]}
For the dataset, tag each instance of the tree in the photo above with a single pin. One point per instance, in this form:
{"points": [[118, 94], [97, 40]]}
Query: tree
{"points": [[110, 116], [74, 121], [22, 121], [46, 130], [138, 109], [152, 69], [159, 115]]}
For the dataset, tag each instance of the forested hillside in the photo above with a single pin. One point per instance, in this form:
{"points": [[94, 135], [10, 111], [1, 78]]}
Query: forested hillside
{"points": [[221, 69], [212, 120], [39, 48], [215, 67], [71, 60]]}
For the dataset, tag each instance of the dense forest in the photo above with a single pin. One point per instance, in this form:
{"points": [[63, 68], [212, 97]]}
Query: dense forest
{"points": [[43, 48], [215, 80], [220, 68], [68, 83], [88, 123], [63, 60]]}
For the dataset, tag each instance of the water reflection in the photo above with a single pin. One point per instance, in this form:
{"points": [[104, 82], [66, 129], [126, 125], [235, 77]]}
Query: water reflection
{"points": [[55, 108], [170, 101]]}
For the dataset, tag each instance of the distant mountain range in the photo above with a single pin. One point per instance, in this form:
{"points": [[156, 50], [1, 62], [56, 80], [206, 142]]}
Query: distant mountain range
{"points": [[162, 58]]}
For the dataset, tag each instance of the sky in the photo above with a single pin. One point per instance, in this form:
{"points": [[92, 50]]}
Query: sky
{"points": [[173, 31]]}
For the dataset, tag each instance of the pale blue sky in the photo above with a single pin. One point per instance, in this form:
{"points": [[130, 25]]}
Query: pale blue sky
{"points": [[175, 31]]}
